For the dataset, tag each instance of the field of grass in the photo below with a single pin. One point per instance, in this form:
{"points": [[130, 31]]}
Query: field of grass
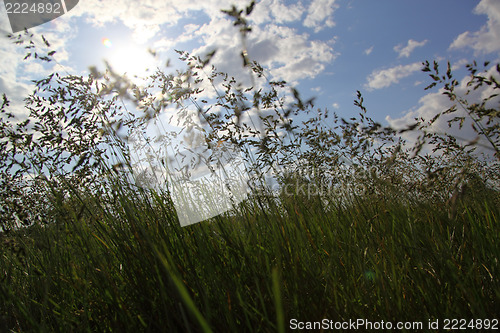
{"points": [[305, 258]]}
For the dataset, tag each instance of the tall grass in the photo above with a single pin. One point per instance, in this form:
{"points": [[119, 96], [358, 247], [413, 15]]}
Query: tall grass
{"points": [[135, 269]]}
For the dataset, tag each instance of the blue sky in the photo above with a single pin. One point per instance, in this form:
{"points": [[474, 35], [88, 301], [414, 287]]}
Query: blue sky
{"points": [[328, 49]]}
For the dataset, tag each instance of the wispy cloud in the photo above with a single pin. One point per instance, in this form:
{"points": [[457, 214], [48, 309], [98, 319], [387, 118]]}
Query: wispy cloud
{"points": [[405, 51], [383, 78], [487, 39], [16, 74], [276, 11], [11, 84], [436, 102], [319, 14], [288, 54], [368, 51]]}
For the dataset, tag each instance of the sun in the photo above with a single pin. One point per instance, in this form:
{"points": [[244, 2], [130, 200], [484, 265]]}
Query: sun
{"points": [[128, 58]]}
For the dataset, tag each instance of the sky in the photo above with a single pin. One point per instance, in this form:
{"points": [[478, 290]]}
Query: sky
{"points": [[327, 49]]}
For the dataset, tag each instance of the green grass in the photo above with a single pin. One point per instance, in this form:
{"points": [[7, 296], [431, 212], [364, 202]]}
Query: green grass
{"points": [[406, 234], [134, 269]]}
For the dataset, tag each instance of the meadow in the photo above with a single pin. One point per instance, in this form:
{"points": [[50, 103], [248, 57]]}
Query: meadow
{"points": [[361, 223]]}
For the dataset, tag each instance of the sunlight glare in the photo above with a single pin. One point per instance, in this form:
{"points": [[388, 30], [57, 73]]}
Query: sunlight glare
{"points": [[131, 59]]}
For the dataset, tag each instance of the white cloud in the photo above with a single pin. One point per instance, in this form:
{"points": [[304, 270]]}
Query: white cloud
{"points": [[336, 105], [276, 11], [145, 18], [8, 53], [405, 51], [384, 78], [368, 51], [283, 13], [12, 83], [133, 14], [289, 55], [433, 103], [487, 39], [319, 14], [9, 61]]}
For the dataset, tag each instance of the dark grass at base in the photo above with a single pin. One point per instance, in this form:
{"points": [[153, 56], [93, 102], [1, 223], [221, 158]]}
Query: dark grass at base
{"points": [[134, 269]]}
